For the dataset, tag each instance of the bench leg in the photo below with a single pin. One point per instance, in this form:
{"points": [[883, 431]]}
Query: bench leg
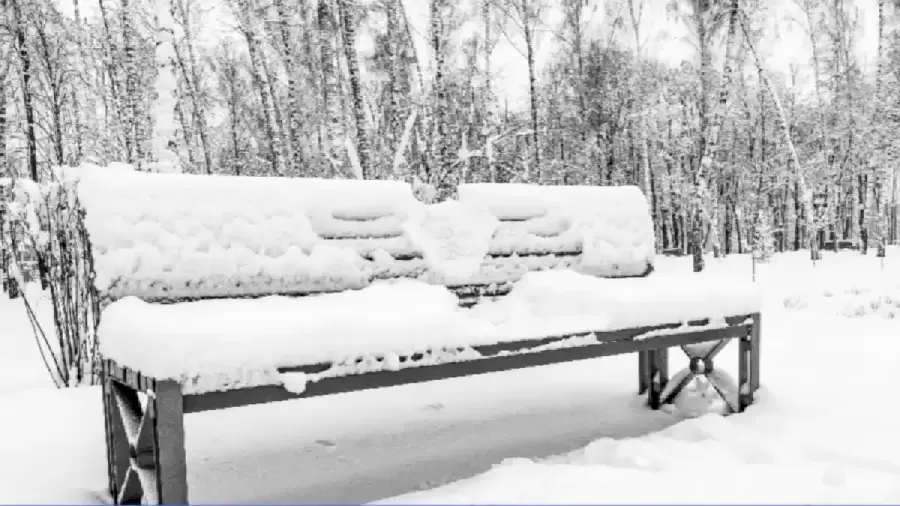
{"points": [[116, 439], [145, 444], [658, 375], [748, 368], [737, 395], [643, 372], [171, 460]]}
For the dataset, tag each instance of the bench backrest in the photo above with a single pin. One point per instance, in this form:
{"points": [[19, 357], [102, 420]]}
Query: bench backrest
{"points": [[177, 237]]}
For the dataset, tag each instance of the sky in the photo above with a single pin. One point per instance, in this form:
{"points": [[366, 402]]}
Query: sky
{"points": [[664, 38], [785, 43]]}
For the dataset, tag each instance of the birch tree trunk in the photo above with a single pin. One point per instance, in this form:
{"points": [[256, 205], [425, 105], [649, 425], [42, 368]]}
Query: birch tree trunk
{"points": [[80, 102], [17, 22], [793, 159], [192, 80], [54, 98], [164, 125], [348, 35], [877, 210], [115, 123], [289, 59], [130, 112], [529, 20], [331, 87], [4, 68], [635, 11], [440, 158], [395, 46], [488, 90], [711, 130], [260, 81]]}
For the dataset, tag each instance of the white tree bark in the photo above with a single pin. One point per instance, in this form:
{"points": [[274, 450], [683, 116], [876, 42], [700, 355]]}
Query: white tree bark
{"points": [[165, 157], [792, 151]]}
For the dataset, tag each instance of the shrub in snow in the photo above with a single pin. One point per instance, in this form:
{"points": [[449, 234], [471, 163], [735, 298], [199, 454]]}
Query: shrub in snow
{"points": [[48, 217], [763, 237], [849, 302], [425, 192], [795, 302]]}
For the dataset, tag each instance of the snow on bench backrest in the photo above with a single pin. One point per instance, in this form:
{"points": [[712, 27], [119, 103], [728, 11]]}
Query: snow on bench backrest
{"points": [[176, 237], [165, 237], [598, 230]]}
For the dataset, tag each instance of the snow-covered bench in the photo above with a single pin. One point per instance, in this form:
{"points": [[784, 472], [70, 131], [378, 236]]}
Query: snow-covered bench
{"points": [[218, 292]]}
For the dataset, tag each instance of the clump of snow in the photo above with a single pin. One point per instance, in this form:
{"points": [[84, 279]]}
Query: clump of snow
{"points": [[712, 324], [611, 226], [569, 342], [294, 382], [454, 237]]}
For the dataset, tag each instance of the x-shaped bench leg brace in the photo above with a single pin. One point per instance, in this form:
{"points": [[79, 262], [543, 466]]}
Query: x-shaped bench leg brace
{"points": [[702, 364], [145, 442], [654, 371]]}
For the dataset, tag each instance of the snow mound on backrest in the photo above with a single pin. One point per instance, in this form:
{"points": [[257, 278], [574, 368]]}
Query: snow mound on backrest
{"points": [[611, 227], [453, 236], [177, 236]]}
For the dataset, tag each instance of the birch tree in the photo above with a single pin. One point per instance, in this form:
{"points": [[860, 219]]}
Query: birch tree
{"points": [[164, 127]]}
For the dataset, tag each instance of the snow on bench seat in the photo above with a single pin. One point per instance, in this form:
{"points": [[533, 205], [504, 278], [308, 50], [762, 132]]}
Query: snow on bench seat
{"points": [[226, 344], [609, 228], [566, 302], [231, 343]]}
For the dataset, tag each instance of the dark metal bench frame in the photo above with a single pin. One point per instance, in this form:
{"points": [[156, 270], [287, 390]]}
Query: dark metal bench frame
{"points": [[146, 447]]}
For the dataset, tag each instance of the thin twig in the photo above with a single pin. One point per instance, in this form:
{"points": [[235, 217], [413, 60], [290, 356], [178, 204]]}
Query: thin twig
{"points": [[36, 330]]}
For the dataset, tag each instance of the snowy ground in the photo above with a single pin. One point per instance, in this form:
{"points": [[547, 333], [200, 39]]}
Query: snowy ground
{"points": [[824, 430]]}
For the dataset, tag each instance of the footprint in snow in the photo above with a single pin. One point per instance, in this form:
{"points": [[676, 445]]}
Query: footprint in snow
{"points": [[431, 484], [327, 443]]}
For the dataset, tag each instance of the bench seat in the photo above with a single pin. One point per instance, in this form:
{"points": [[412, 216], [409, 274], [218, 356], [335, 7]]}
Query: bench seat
{"points": [[227, 344]]}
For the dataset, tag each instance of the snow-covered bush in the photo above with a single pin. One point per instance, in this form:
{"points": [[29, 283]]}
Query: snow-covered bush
{"points": [[10, 283], [763, 237], [49, 219], [850, 301], [424, 192]]}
